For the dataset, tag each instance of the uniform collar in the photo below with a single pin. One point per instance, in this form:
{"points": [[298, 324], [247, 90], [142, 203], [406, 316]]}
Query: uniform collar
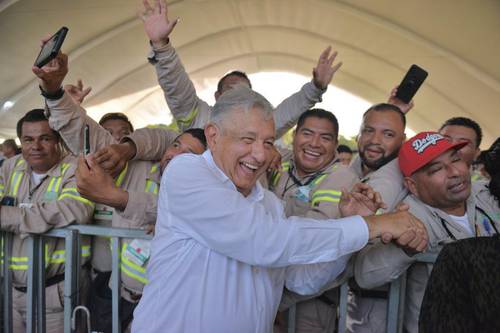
{"points": [[470, 206], [321, 171], [357, 166], [23, 166]]}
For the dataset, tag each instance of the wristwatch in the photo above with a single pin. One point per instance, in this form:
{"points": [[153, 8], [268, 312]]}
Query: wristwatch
{"points": [[53, 96]]}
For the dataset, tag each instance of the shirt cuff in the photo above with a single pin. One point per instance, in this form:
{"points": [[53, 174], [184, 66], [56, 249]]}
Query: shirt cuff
{"points": [[356, 233], [156, 54]]}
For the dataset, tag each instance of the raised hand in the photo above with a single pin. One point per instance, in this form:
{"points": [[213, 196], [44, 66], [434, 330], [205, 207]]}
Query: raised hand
{"points": [[361, 200], [324, 71], [405, 107], [51, 76], [94, 184], [113, 158], [156, 23], [77, 92]]}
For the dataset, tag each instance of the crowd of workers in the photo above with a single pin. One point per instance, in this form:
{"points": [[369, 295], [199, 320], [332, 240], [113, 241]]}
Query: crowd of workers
{"points": [[242, 229]]}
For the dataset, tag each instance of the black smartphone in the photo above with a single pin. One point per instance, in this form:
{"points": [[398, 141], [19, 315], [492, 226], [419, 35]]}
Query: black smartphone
{"points": [[411, 82], [51, 48], [8, 201], [86, 140]]}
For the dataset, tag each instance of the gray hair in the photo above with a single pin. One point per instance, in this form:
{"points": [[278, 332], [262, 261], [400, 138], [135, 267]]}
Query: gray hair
{"points": [[239, 98]]}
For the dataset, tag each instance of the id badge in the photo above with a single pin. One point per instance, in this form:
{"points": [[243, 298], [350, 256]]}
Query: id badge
{"points": [[50, 196], [25, 205], [138, 251], [103, 212], [302, 193]]}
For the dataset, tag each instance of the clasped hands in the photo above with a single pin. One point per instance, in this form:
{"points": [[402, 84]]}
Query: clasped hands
{"points": [[401, 227]]}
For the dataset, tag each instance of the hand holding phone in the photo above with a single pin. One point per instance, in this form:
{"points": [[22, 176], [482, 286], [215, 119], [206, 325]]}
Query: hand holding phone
{"points": [[51, 48], [86, 140], [411, 83]]}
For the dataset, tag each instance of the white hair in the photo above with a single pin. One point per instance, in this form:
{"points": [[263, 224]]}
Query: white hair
{"points": [[239, 98]]}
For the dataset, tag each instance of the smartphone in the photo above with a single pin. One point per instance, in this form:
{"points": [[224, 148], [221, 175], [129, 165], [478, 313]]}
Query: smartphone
{"points": [[51, 48], [8, 201], [411, 82], [86, 140]]}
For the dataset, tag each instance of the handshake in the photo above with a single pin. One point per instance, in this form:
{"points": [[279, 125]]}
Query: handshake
{"points": [[399, 226]]}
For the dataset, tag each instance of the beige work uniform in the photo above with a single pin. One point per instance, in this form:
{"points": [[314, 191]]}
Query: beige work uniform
{"points": [[381, 263], [151, 143], [141, 179], [54, 203], [191, 112], [367, 313], [317, 198]]}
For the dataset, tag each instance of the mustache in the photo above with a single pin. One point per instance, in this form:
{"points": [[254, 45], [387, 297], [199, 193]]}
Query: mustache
{"points": [[374, 146]]}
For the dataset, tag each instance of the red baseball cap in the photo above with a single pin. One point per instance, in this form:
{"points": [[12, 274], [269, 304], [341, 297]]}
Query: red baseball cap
{"points": [[421, 149]]}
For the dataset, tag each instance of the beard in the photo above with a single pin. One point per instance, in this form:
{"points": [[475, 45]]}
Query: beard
{"points": [[377, 164]]}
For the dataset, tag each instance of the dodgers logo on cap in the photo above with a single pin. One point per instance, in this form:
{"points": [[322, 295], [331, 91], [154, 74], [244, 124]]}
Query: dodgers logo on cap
{"points": [[422, 149]]}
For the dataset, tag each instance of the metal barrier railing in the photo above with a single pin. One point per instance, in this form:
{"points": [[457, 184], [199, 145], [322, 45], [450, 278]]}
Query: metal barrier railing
{"points": [[35, 300], [35, 293], [395, 302]]}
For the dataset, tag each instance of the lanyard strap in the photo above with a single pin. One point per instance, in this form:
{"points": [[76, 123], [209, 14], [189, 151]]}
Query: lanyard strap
{"points": [[490, 220], [31, 191]]}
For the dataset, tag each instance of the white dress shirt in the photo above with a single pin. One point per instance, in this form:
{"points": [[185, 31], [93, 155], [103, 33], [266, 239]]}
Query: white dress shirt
{"points": [[220, 260]]}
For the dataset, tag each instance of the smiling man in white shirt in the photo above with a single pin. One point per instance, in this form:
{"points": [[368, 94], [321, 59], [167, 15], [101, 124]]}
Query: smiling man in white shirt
{"points": [[223, 248]]}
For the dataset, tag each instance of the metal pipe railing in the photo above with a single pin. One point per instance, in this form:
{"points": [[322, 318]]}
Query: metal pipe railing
{"points": [[35, 300], [35, 293]]}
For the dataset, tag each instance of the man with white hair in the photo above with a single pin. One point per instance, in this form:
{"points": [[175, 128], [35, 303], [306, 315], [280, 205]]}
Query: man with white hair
{"points": [[223, 248]]}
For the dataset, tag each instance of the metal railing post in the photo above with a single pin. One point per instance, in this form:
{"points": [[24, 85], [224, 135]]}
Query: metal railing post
{"points": [[344, 290], [115, 283], [71, 243], [292, 313], [402, 302], [7, 283], [31, 285], [40, 299]]}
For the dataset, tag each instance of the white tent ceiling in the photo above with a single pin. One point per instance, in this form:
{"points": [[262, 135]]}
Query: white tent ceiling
{"points": [[457, 41]]}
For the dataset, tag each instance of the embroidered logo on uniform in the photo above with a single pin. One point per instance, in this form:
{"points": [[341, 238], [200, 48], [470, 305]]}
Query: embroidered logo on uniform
{"points": [[430, 139]]}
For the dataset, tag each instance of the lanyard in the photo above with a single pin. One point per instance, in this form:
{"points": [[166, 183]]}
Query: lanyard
{"points": [[31, 191], [298, 182], [490, 220]]}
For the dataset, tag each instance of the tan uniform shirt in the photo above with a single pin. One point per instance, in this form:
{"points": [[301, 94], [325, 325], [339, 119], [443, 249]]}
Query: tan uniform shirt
{"points": [[381, 263], [319, 194], [318, 198], [54, 203], [151, 143], [191, 112], [141, 179], [387, 180]]}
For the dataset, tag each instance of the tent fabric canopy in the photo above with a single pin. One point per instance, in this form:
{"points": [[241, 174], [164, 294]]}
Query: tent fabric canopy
{"points": [[458, 42]]}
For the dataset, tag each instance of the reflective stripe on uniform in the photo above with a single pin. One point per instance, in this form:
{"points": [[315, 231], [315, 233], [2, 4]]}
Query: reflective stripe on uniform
{"points": [[72, 193], [132, 270], [285, 166], [58, 256], [18, 263], [187, 120], [151, 186], [325, 196], [121, 176]]}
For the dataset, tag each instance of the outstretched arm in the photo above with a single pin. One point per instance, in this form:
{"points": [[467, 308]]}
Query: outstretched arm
{"points": [[288, 112], [65, 113], [188, 110]]}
